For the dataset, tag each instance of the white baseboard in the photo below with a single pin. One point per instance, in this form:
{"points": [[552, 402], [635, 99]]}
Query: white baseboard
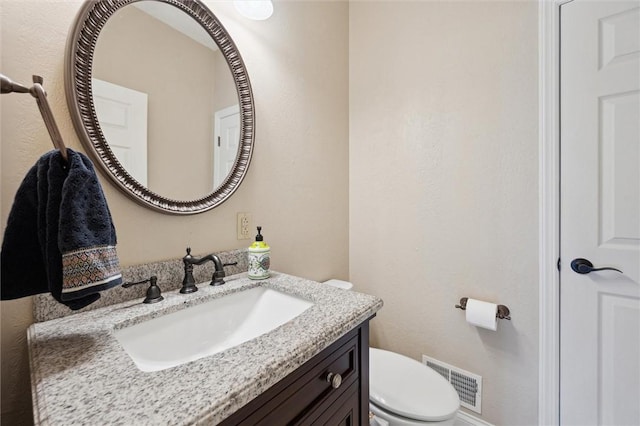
{"points": [[466, 419]]}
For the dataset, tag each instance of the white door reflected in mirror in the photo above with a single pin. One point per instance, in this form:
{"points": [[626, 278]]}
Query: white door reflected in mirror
{"points": [[122, 114], [226, 139]]}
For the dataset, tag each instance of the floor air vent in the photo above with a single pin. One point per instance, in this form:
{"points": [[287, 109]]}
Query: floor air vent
{"points": [[468, 385]]}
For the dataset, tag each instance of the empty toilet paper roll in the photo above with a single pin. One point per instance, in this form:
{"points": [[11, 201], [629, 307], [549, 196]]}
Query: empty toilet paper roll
{"points": [[482, 314]]}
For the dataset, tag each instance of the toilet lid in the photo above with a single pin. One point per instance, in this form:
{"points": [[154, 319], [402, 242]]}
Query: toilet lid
{"points": [[410, 389]]}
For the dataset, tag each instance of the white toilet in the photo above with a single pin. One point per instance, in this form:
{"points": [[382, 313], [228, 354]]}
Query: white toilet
{"points": [[404, 392]]}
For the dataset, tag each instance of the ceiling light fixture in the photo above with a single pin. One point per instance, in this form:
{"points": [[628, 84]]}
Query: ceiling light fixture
{"points": [[258, 10]]}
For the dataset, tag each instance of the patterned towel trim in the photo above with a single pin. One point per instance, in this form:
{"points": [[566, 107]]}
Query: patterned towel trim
{"points": [[95, 268], [97, 283]]}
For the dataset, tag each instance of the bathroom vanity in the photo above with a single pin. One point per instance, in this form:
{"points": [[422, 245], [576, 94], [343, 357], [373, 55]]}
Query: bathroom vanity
{"points": [[313, 368]]}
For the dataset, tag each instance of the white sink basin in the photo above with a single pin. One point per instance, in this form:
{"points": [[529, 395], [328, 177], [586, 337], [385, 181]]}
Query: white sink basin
{"points": [[208, 328]]}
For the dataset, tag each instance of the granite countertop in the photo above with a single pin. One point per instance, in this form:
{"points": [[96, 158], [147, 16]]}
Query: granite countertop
{"points": [[81, 375]]}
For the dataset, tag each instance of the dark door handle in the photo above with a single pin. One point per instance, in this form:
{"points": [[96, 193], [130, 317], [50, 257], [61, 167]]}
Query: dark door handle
{"points": [[583, 266]]}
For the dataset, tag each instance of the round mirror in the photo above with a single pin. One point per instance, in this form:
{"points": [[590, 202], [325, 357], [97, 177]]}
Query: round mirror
{"points": [[161, 100]]}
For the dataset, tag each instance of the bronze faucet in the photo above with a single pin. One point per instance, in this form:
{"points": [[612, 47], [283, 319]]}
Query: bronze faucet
{"points": [[189, 283]]}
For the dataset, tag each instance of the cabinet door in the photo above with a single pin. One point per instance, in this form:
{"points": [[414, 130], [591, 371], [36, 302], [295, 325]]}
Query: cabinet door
{"points": [[305, 397]]}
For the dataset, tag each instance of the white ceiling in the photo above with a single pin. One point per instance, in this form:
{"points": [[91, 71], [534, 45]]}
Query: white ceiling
{"points": [[178, 20]]}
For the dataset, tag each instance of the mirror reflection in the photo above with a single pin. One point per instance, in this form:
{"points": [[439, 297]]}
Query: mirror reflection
{"points": [[165, 100]]}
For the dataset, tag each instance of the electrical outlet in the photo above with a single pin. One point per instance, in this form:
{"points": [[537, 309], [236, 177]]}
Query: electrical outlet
{"points": [[244, 226]]}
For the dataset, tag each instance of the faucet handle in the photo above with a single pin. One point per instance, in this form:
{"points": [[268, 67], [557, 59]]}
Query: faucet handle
{"points": [[153, 292], [188, 255], [219, 274], [188, 282]]}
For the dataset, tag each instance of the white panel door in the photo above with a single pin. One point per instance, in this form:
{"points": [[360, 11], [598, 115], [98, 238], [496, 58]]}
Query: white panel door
{"points": [[122, 114], [600, 213], [226, 142]]}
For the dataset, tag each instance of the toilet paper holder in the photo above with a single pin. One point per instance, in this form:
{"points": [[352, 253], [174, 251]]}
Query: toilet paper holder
{"points": [[503, 311]]}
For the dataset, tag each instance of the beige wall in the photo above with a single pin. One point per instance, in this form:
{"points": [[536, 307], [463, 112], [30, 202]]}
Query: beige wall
{"points": [[441, 171], [226, 94], [296, 187], [443, 185]]}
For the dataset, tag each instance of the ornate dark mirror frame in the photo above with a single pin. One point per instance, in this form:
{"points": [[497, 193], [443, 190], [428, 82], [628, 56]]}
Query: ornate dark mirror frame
{"points": [[79, 60]]}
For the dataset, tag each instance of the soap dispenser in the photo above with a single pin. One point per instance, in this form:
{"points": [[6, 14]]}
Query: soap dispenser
{"points": [[259, 258]]}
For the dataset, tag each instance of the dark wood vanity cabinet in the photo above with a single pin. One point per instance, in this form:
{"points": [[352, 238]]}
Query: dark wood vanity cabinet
{"points": [[306, 397]]}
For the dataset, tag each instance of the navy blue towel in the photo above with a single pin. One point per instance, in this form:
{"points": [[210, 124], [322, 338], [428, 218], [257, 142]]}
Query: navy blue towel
{"points": [[60, 236]]}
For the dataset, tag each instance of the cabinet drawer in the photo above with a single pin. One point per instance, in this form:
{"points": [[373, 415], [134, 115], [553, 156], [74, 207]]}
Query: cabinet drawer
{"points": [[295, 399]]}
